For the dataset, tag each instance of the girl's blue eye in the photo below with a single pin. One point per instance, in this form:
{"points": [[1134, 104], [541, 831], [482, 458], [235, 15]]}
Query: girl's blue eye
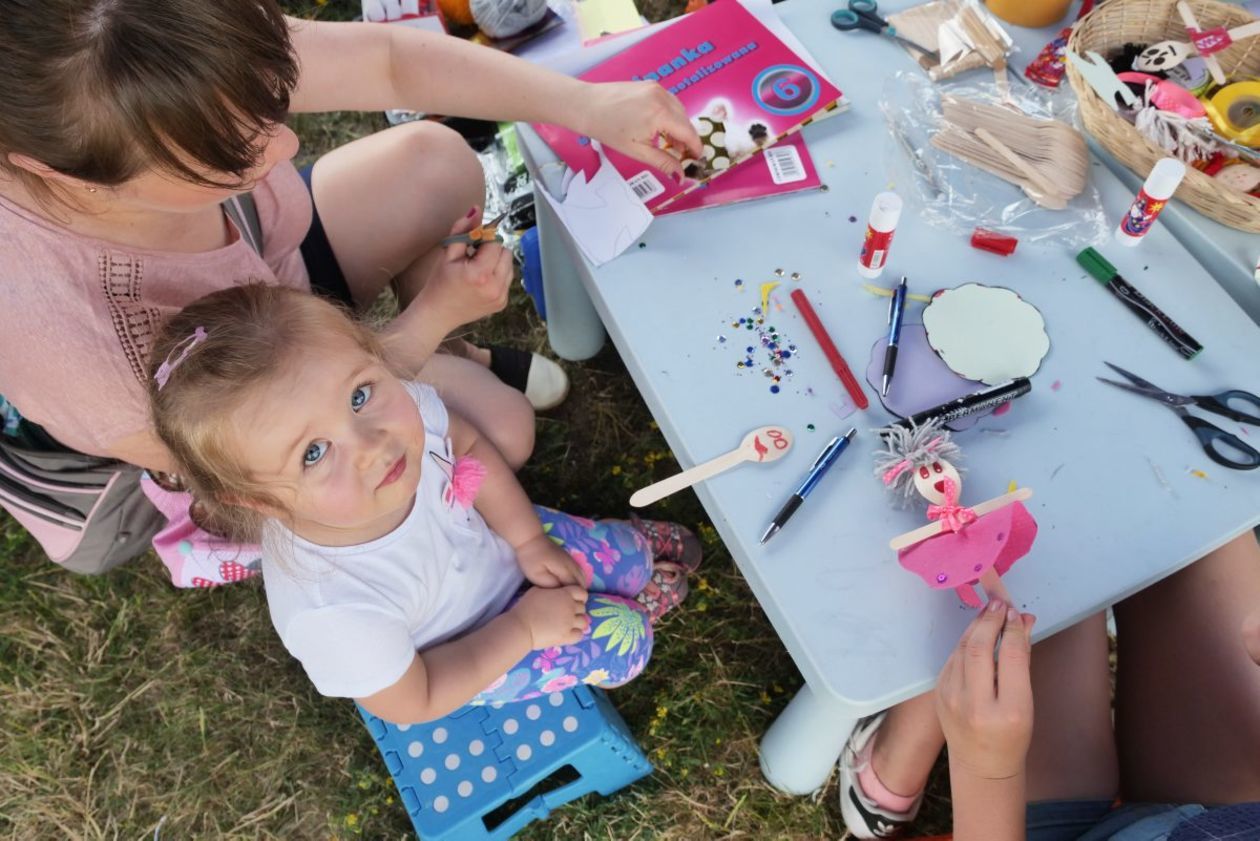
{"points": [[314, 452], [361, 395]]}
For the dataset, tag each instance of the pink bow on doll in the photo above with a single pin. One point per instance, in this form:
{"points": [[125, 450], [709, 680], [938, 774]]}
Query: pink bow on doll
{"points": [[952, 515]]}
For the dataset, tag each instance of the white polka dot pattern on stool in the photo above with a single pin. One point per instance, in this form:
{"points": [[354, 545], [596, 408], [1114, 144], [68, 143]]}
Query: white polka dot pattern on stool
{"points": [[556, 698], [546, 738], [427, 776], [415, 749], [452, 762], [440, 804], [532, 712], [488, 774], [570, 723], [439, 735], [524, 752], [476, 747], [511, 726], [464, 788]]}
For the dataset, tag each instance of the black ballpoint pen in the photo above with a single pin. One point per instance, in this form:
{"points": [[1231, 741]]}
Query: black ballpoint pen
{"points": [[896, 309], [829, 456]]}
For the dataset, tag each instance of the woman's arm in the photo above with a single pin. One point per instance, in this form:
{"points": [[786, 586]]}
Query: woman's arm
{"points": [[370, 66], [510, 514]]}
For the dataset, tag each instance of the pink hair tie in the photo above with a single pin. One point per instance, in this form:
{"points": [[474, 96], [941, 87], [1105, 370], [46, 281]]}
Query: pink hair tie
{"points": [[184, 348]]}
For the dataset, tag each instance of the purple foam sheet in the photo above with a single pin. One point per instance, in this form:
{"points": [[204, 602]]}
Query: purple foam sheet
{"points": [[921, 380]]}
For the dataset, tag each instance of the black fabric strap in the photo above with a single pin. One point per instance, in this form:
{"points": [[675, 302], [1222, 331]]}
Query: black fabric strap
{"points": [[511, 365]]}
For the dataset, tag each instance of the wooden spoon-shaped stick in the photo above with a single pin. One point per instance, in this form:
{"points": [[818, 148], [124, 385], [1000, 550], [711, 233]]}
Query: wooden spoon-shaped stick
{"points": [[766, 443], [905, 541]]}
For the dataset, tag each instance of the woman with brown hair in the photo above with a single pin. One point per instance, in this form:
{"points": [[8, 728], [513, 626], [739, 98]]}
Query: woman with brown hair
{"points": [[128, 130]]}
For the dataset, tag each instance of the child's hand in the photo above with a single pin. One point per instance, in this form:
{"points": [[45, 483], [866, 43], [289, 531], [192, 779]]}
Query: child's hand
{"points": [[986, 710], [464, 289], [547, 565], [553, 616]]}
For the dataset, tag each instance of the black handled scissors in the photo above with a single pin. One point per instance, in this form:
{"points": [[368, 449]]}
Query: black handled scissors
{"points": [[864, 14], [1212, 437]]}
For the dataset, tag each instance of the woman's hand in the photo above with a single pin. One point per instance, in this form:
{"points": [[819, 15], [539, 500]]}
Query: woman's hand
{"points": [[986, 707], [547, 565], [552, 616], [464, 289], [629, 116]]}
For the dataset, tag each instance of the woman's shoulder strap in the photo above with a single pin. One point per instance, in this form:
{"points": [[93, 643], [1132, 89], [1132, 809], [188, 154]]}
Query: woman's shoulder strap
{"points": [[244, 214]]}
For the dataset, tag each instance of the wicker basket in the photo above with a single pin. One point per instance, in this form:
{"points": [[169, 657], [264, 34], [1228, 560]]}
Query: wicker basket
{"points": [[1119, 22]]}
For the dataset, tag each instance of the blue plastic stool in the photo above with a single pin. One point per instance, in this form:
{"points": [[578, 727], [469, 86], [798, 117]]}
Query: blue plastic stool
{"points": [[453, 773]]}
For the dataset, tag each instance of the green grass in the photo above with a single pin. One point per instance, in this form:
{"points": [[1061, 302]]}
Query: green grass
{"points": [[127, 705]]}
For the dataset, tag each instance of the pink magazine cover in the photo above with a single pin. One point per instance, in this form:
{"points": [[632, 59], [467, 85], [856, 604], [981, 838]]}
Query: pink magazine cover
{"points": [[744, 89], [785, 167]]}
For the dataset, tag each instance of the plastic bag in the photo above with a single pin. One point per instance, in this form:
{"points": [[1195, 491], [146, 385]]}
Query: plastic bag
{"points": [[950, 193]]}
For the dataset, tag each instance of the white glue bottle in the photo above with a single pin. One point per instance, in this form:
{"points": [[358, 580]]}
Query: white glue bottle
{"points": [[885, 211], [1155, 193]]}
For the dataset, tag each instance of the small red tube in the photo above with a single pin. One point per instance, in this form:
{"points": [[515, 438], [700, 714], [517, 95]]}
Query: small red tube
{"points": [[987, 240]]}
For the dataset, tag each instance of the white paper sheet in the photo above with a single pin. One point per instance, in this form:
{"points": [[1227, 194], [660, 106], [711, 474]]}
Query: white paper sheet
{"points": [[603, 215]]}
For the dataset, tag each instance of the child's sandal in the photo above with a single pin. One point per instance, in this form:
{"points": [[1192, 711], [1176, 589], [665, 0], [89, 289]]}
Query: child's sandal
{"points": [[670, 542], [665, 590]]}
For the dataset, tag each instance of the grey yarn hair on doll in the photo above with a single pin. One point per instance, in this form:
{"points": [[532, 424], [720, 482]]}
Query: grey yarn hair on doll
{"points": [[905, 450]]}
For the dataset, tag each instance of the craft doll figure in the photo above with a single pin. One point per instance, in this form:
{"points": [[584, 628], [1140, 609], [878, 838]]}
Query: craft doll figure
{"points": [[961, 546]]}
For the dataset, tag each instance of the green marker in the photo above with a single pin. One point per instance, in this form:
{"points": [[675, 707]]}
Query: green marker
{"points": [[1139, 304]]}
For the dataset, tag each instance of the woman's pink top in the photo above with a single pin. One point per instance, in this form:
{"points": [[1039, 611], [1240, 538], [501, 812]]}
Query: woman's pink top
{"points": [[77, 315]]}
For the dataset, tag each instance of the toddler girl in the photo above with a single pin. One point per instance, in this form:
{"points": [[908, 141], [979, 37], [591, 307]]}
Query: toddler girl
{"points": [[397, 545]]}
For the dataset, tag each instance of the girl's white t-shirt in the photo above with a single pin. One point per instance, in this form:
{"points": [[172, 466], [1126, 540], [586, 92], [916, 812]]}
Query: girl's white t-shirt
{"points": [[356, 615]]}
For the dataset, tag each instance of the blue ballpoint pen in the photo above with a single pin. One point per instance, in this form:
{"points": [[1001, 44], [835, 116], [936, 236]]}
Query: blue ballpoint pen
{"points": [[829, 456], [896, 309]]}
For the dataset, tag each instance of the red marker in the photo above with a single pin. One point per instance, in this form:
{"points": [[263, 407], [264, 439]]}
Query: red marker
{"points": [[829, 350]]}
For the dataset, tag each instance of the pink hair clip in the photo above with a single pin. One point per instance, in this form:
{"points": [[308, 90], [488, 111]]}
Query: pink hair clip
{"points": [[184, 348]]}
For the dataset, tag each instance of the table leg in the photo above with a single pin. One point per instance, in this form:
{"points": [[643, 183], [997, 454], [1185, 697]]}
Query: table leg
{"points": [[804, 743], [573, 326]]}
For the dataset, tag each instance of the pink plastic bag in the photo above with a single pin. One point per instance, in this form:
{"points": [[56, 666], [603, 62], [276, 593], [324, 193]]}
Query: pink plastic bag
{"points": [[195, 557]]}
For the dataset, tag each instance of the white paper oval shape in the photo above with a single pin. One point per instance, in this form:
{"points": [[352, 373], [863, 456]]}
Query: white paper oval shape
{"points": [[986, 333]]}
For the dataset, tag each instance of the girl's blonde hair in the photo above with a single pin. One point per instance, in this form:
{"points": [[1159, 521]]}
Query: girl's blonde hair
{"points": [[251, 334]]}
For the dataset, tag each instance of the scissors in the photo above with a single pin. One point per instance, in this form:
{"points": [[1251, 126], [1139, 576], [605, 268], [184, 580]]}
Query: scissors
{"points": [[478, 236], [1210, 436], [864, 14]]}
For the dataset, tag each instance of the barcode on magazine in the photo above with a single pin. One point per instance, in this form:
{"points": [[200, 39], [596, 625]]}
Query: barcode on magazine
{"points": [[785, 164], [645, 186]]}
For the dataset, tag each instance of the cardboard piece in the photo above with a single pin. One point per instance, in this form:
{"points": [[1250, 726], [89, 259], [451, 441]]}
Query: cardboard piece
{"points": [[603, 215], [1103, 79], [986, 333], [921, 380]]}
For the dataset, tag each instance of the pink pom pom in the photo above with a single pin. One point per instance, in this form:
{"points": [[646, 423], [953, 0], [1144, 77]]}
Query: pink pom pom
{"points": [[466, 480]]}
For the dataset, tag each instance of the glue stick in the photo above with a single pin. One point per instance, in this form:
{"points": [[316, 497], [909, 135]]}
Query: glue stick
{"points": [[885, 211], [1155, 193]]}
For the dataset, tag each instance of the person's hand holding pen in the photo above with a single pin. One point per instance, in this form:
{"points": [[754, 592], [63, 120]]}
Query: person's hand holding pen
{"points": [[985, 704]]}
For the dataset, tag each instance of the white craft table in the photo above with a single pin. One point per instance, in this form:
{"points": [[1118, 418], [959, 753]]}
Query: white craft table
{"points": [[1116, 501]]}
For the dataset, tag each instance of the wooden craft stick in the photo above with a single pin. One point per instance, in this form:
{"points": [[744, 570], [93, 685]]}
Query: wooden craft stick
{"points": [[993, 586], [763, 444], [1213, 66], [1030, 172], [905, 541]]}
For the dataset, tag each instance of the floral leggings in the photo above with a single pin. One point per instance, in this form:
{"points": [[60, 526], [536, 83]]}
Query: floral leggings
{"points": [[618, 642]]}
